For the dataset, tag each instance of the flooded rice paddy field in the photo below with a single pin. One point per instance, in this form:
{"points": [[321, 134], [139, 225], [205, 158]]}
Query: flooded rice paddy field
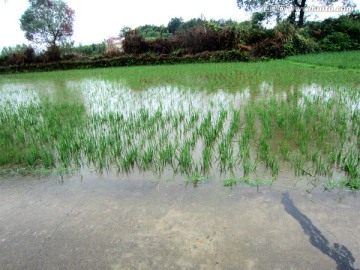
{"points": [[234, 122], [216, 166]]}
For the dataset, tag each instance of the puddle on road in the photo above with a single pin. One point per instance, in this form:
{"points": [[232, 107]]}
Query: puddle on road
{"points": [[135, 223]]}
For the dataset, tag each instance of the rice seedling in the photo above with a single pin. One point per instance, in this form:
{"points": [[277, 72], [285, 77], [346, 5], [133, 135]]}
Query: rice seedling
{"points": [[184, 158], [206, 160], [257, 182], [195, 178], [128, 160], [351, 165], [284, 150], [147, 158], [167, 154], [229, 182], [224, 152]]}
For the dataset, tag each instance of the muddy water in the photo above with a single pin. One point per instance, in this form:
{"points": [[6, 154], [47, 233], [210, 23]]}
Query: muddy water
{"points": [[132, 222]]}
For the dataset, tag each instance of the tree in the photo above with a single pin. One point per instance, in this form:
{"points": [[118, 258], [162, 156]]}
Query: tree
{"points": [[152, 31], [124, 30], [48, 21], [277, 7], [174, 25]]}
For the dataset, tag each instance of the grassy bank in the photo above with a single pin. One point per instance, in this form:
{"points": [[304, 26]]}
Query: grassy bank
{"points": [[343, 60]]}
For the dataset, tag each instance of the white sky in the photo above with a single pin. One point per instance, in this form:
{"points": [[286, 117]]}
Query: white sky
{"points": [[98, 20]]}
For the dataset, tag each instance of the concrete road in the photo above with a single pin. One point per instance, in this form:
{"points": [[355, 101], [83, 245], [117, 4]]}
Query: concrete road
{"points": [[99, 222]]}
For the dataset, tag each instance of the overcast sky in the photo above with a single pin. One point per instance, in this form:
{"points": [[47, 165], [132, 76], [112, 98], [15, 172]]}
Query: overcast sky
{"points": [[98, 20]]}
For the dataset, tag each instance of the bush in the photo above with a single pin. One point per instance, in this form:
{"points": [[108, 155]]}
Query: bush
{"points": [[160, 46], [71, 56], [285, 31], [270, 48], [90, 50], [199, 38], [338, 42], [303, 45], [19, 55], [53, 54], [253, 34], [29, 55], [134, 43], [207, 36], [342, 33], [229, 37], [178, 52], [127, 60]]}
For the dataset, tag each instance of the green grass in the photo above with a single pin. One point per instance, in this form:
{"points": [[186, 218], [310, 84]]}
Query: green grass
{"points": [[194, 120], [342, 60]]}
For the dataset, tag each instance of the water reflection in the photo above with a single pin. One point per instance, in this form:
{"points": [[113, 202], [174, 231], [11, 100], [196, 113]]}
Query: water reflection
{"points": [[318, 93], [14, 96], [102, 98]]}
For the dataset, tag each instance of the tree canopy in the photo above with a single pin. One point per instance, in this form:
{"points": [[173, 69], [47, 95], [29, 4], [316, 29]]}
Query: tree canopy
{"points": [[277, 7], [48, 21], [174, 24]]}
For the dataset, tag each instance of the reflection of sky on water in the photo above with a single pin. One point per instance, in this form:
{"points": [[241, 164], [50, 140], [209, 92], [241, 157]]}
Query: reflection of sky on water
{"points": [[14, 96], [102, 98], [315, 92]]}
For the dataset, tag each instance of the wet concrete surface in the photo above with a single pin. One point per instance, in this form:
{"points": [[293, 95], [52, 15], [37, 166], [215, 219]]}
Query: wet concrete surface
{"points": [[109, 222]]}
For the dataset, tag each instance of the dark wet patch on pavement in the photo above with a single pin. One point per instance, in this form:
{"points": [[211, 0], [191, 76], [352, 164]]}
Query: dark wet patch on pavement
{"points": [[339, 253]]}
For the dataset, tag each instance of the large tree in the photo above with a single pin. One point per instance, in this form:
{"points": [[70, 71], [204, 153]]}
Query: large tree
{"points": [[48, 21], [278, 8], [174, 24]]}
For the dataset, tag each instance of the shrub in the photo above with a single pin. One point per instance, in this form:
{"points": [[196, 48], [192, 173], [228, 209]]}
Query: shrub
{"points": [[199, 38], [71, 56], [253, 34], [303, 45], [229, 37], [342, 33], [285, 32], [29, 55], [338, 42], [19, 55], [128, 60], [160, 46], [134, 43], [92, 49], [178, 52], [52, 54], [270, 48]]}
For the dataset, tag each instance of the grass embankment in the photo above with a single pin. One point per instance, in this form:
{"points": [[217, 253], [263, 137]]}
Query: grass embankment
{"points": [[343, 60], [132, 60], [196, 120]]}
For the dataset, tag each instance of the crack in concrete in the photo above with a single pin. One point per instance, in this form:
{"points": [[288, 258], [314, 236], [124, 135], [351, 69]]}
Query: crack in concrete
{"points": [[63, 219]]}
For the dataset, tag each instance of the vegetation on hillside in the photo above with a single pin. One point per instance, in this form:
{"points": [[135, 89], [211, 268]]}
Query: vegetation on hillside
{"points": [[200, 36]]}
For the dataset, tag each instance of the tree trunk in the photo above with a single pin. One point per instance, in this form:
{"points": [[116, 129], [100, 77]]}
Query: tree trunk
{"points": [[302, 14], [301, 6]]}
